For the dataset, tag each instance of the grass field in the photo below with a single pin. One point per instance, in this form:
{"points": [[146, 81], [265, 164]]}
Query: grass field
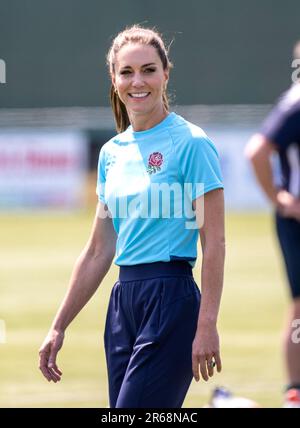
{"points": [[37, 255]]}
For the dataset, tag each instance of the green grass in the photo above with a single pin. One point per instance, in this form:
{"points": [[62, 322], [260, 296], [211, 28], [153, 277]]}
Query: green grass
{"points": [[37, 255]]}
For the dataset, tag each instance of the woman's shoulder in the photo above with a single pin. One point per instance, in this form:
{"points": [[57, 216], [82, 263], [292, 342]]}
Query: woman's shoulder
{"points": [[188, 134]]}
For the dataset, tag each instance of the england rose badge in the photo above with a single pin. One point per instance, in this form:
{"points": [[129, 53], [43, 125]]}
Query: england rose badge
{"points": [[155, 162]]}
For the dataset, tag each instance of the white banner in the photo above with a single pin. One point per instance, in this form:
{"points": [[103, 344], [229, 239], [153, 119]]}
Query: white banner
{"points": [[42, 169]]}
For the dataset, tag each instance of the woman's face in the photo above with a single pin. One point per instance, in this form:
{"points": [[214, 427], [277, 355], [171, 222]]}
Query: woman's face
{"points": [[140, 79]]}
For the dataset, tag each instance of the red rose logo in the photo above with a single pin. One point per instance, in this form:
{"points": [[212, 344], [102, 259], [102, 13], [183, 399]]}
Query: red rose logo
{"points": [[156, 159], [154, 163]]}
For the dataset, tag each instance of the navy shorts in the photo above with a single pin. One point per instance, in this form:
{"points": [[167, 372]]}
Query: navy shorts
{"points": [[288, 231], [150, 327]]}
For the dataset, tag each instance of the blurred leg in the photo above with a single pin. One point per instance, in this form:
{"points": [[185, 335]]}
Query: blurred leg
{"points": [[288, 231], [292, 346]]}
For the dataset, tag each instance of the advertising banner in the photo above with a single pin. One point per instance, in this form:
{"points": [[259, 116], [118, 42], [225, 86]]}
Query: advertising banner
{"points": [[40, 169]]}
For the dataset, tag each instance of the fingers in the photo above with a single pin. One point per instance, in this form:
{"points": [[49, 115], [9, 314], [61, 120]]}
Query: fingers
{"points": [[49, 369], [207, 364], [48, 365], [218, 361], [44, 365], [210, 362], [53, 369], [199, 360], [203, 368], [195, 367]]}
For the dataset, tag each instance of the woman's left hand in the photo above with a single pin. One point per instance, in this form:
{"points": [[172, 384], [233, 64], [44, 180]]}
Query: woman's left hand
{"points": [[206, 352], [288, 206]]}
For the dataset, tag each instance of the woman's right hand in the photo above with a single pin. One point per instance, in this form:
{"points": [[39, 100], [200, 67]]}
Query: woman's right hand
{"points": [[47, 355]]}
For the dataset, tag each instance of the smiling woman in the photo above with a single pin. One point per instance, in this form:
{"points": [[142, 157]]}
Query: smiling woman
{"points": [[140, 87], [156, 336], [139, 68]]}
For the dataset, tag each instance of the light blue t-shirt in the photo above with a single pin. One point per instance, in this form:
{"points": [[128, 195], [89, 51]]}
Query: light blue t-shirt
{"points": [[148, 180]]}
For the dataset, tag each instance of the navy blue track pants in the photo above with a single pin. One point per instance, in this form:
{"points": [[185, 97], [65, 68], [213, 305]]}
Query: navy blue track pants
{"points": [[150, 326], [288, 231]]}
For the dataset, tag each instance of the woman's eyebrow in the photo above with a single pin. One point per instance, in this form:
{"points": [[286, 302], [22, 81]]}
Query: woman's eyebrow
{"points": [[144, 65], [147, 65]]}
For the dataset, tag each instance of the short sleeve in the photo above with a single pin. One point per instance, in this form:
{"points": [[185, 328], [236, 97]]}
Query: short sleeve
{"points": [[199, 163], [282, 126], [100, 189]]}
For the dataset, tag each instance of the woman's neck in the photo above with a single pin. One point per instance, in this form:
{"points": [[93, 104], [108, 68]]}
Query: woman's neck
{"points": [[140, 122]]}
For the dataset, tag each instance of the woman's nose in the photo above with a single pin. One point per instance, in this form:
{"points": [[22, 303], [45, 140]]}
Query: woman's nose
{"points": [[137, 80]]}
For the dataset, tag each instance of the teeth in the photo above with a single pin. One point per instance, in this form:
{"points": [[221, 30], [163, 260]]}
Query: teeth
{"points": [[139, 95]]}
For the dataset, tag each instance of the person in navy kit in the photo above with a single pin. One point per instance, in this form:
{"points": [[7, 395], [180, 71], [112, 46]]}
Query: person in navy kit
{"points": [[280, 134], [157, 335]]}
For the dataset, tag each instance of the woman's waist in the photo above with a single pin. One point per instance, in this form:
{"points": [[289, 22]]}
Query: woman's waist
{"points": [[155, 269]]}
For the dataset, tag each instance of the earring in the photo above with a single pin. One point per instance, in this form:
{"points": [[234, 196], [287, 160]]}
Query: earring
{"points": [[115, 90]]}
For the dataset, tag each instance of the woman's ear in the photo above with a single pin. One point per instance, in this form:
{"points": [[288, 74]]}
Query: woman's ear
{"points": [[113, 81], [166, 73]]}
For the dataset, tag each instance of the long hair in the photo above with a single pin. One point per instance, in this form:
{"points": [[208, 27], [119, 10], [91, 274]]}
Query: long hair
{"points": [[144, 36]]}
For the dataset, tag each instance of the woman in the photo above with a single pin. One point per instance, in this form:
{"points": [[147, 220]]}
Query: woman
{"points": [[280, 136], [156, 336]]}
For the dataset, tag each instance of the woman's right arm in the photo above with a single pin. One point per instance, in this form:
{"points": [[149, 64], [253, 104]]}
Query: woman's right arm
{"points": [[88, 272]]}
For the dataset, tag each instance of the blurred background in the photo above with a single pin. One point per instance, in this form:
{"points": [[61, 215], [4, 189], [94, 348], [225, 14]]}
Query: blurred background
{"points": [[231, 62]]}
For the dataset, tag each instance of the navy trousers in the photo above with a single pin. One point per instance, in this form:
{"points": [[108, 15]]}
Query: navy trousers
{"points": [[288, 231], [150, 326]]}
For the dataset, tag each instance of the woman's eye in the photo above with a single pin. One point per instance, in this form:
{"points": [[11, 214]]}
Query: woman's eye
{"points": [[146, 70]]}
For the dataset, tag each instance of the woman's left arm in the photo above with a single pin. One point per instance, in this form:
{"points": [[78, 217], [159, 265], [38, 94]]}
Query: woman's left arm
{"points": [[211, 227]]}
